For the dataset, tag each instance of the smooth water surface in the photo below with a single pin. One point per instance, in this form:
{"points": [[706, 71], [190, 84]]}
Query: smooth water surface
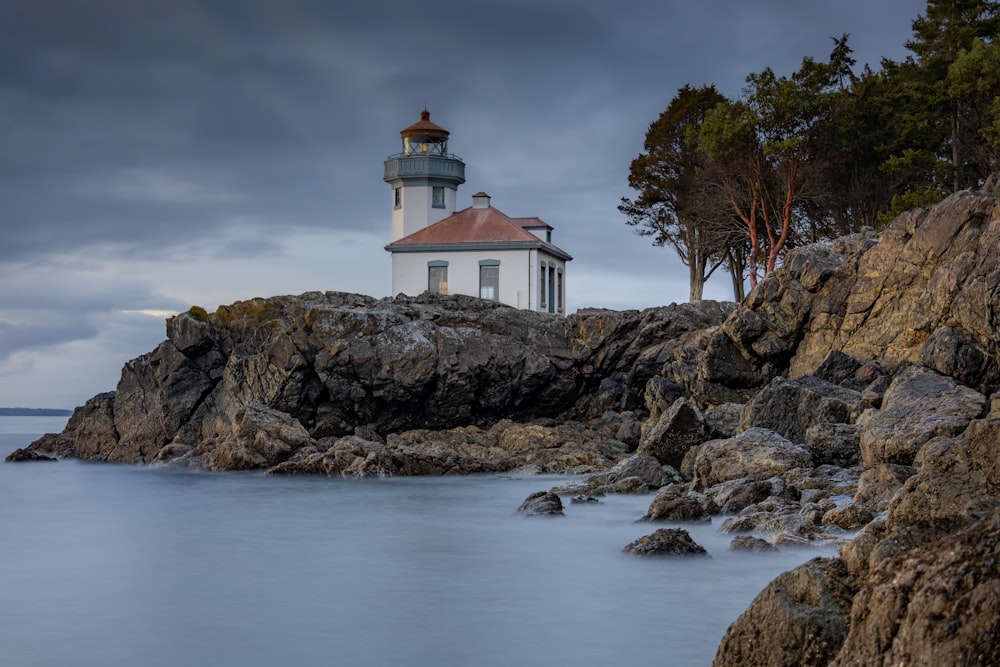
{"points": [[113, 565]]}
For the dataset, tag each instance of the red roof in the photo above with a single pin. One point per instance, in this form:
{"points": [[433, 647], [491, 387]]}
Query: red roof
{"points": [[532, 223], [424, 127], [471, 225]]}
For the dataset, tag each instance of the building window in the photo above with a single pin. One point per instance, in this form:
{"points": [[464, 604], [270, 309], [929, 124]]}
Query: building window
{"points": [[397, 194], [437, 277], [437, 197], [543, 290], [559, 291], [489, 280]]}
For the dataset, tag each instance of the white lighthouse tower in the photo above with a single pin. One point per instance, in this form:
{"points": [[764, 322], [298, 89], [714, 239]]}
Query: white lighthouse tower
{"points": [[424, 178]]}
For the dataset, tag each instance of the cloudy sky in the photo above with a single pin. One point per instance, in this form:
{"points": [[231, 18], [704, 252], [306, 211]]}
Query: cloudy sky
{"points": [[157, 155]]}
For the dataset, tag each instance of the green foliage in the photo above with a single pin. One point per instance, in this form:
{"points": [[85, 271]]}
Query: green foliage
{"points": [[825, 151], [198, 313], [676, 204]]}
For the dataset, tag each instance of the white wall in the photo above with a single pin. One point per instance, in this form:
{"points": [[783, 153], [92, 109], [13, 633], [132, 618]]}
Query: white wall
{"points": [[416, 211], [519, 274]]}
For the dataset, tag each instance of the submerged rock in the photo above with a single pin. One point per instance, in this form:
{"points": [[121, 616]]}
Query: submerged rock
{"points": [[666, 542], [22, 455]]}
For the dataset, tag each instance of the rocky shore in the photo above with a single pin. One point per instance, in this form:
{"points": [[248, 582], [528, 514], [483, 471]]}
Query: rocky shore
{"points": [[851, 398]]}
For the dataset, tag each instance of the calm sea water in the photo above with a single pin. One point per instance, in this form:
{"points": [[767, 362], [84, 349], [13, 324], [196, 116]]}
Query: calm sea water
{"points": [[111, 565]]}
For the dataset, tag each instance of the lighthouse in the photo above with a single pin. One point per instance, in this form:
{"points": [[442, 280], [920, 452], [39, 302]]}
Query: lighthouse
{"points": [[477, 251], [424, 177]]}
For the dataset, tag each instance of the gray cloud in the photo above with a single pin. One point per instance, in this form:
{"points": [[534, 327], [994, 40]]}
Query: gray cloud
{"points": [[144, 135]]}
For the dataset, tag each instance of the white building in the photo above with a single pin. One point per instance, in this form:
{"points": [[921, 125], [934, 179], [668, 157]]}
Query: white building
{"points": [[478, 251]]}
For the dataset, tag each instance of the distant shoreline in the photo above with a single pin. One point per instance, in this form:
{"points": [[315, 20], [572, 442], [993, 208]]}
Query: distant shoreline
{"points": [[34, 412]]}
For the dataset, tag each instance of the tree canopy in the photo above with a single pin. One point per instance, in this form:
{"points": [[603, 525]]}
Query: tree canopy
{"points": [[823, 151]]}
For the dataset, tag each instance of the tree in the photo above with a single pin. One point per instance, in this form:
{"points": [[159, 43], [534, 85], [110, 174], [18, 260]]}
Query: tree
{"points": [[974, 85], [762, 149], [945, 156], [678, 204]]}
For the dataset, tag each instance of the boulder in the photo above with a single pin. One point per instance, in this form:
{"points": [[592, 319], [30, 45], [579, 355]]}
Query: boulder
{"points": [[919, 406], [673, 507], [542, 503], [834, 444], [642, 467], [666, 542], [678, 429], [878, 484], [262, 437], [800, 618], [736, 495], [723, 421], [749, 543], [659, 395], [848, 517], [790, 407], [958, 483], [757, 453], [935, 605], [955, 353]]}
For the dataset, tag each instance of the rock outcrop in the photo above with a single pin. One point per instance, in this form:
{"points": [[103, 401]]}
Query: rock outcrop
{"points": [[908, 322], [268, 382]]}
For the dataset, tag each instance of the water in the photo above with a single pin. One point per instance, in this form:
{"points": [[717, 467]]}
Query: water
{"points": [[111, 565]]}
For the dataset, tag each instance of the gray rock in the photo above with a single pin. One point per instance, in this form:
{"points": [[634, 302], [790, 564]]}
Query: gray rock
{"points": [[674, 507], [723, 421], [749, 543], [834, 444], [666, 542], [790, 407], [920, 405], [801, 618], [337, 362], [678, 429], [754, 454], [542, 503], [22, 455]]}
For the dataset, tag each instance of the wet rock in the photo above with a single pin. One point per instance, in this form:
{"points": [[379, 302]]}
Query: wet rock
{"points": [[542, 503], [672, 506], [748, 543], [666, 542], [22, 455], [848, 517]]}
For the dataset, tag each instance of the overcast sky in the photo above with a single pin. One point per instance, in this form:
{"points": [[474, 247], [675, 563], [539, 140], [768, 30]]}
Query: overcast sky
{"points": [[159, 155]]}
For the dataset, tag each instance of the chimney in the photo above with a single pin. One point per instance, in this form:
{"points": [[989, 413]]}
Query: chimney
{"points": [[480, 200]]}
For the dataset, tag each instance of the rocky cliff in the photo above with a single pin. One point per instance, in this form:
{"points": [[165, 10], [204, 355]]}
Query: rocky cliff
{"points": [[851, 398], [341, 383]]}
